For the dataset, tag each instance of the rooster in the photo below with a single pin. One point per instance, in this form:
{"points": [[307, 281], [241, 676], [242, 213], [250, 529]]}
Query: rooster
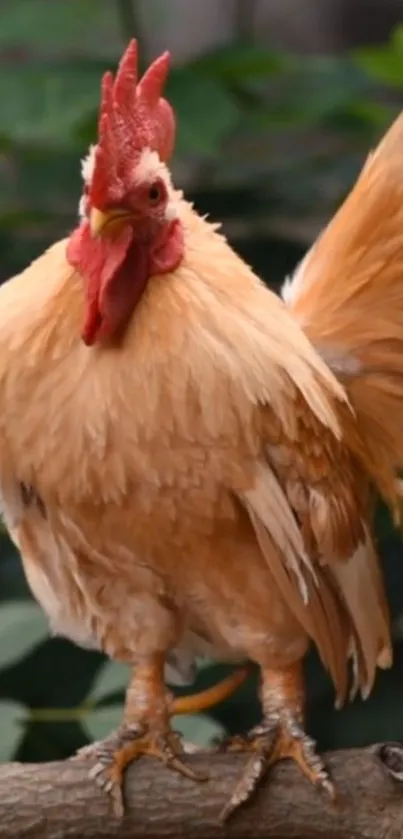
{"points": [[188, 462]]}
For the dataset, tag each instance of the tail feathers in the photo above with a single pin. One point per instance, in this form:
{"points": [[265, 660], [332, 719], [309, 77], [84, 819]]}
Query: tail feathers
{"points": [[361, 590], [348, 296]]}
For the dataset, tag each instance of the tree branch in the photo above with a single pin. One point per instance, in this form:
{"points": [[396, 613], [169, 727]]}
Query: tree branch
{"points": [[47, 801]]}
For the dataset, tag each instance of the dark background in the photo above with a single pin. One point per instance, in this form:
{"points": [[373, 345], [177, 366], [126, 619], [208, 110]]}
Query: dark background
{"points": [[278, 104]]}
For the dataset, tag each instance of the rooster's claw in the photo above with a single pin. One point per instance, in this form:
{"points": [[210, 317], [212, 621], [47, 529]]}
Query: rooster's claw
{"points": [[268, 743], [113, 755]]}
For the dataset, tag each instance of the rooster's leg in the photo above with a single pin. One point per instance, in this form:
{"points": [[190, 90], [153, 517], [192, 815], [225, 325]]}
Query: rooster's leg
{"points": [[146, 728], [280, 735], [145, 731]]}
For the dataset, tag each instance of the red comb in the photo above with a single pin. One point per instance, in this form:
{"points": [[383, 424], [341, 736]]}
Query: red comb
{"points": [[133, 116]]}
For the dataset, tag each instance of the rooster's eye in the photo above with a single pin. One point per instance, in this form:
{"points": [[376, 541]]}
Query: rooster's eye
{"points": [[155, 193]]}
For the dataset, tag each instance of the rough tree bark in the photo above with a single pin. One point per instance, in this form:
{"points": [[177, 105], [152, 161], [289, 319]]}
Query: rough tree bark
{"points": [[55, 800]]}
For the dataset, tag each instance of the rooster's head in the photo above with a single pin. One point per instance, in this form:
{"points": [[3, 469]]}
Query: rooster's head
{"points": [[128, 228]]}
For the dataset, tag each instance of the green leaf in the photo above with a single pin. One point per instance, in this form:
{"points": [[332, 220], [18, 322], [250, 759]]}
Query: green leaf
{"points": [[55, 674], [22, 627], [384, 63], [206, 112], [241, 62], [111, 677], [102, 721], [199, 729], [321, 87], [49, 181], [367, 114], [397, 38], [45, 102], [61, 25], [12, 715]]}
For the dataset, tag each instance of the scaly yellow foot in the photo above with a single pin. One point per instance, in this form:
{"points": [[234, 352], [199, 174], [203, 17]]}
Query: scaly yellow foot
{"points": [[281, 735], [151, 735], [113, 755]]}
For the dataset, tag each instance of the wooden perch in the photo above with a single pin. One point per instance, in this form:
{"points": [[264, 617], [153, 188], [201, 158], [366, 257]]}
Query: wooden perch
{"points": [[54, 800]]}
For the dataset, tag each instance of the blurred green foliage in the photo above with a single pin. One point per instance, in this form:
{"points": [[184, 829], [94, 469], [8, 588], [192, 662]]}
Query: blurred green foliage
{"points": [[272, 142]]}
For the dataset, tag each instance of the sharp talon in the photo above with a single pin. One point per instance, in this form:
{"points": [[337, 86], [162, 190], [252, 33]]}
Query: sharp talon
{"points": [[108, 786], [329, 788], [117, 802], [113, 755], [270, 743], [227, 811], [185, 770], [254, 771], [95, 771]]}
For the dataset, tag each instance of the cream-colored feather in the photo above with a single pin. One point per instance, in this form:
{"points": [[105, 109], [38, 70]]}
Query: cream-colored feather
{"points": [[196, 478]]}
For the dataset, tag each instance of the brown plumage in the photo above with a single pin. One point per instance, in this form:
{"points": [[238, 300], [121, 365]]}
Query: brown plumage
{"points": [[194, 478]]}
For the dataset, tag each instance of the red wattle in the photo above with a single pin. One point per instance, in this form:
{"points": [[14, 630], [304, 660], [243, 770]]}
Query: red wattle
{"points": [[98, 260]]}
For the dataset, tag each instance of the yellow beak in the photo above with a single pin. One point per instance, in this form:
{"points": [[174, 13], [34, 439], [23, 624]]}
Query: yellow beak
{"points": [[112, 219], [98, 220]]}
